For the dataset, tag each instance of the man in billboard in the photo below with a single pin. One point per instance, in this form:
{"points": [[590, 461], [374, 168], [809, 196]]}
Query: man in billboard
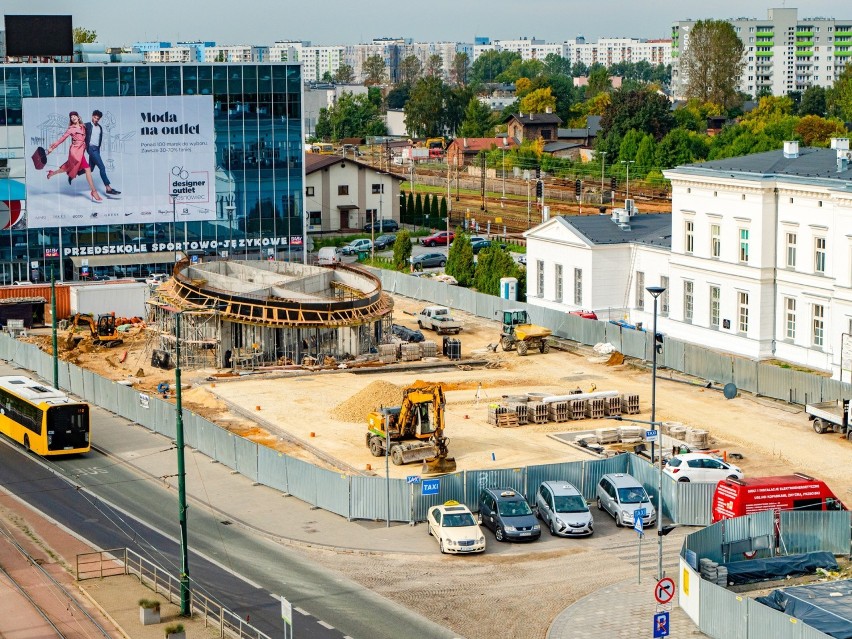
{"points": [[94, 139]]}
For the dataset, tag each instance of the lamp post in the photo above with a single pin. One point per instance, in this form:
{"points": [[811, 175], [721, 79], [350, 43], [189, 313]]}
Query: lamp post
{"points": [[230, 208], [655, 292], [603, 159], [627, 186], [184, 548], [528, 202], [174, 197], [503, 170]]}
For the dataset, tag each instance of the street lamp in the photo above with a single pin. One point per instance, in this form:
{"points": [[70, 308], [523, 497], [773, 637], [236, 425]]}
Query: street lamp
{"points": [[603, 159], [627, 187], [174, 197], [655, 292], [230, 208], [503, 170]]}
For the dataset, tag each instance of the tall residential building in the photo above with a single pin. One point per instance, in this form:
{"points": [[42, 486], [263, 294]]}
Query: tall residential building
{"points": [[783, 52], [232, 53], [169, 54], [609, 51], [391, 50]]}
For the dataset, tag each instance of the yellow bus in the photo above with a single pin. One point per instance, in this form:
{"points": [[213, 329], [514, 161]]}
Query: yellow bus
{"points": [[41, 418], [323, 148]]}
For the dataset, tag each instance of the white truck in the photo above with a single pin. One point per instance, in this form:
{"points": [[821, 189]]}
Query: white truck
{"points": [[438, 318], [830, 416]]}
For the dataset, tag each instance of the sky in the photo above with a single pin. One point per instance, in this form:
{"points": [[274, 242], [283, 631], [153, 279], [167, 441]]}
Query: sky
{"points": [[120, 22]]}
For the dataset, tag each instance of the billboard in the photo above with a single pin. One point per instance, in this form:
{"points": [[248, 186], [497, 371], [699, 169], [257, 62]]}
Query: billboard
{"points": [[28, 35], [150, 148]]}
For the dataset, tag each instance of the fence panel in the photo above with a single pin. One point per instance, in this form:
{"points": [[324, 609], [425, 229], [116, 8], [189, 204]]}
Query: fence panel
{"points": [[75, 374], [809, 632], [745, 374], [571, 472], [673, 354], [807, 387], [649, 476], [808, 530], [226, 452], [595, 469], [301, 480], [475, 480], [272, 469], [245, 452], [722, 613], [450, 487], [612, 335], [205, 434], [706, 543], [694, 500], [333, 491], [634, 343], [165, 417], [775, 382], [766, 623], [833, 389], [760, 524], [368, 498]]}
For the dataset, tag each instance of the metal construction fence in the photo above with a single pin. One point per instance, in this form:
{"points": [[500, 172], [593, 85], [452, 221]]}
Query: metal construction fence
{"points": [[723, 614], [754, 377]]}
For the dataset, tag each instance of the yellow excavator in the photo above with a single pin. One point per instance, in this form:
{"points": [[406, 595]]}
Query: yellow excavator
{"points": [[103, 331], [415, 429]]}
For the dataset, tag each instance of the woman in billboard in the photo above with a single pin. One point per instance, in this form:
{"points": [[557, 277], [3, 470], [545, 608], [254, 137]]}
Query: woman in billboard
{"points": [[76, 161]]}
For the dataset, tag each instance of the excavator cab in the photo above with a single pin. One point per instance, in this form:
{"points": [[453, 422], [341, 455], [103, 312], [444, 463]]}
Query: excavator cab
{"points": [[103, 331]]}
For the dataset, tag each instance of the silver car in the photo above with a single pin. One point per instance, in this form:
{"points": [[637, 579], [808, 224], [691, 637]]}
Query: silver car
{"points": [[621, 495], [562, 508]]}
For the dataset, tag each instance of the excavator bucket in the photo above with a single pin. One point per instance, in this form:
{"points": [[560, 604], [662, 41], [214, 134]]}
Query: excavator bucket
{"points": [[439, 466]]}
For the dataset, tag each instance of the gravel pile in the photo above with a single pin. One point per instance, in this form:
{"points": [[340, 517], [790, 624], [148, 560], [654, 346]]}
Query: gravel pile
{"points": [[370, 398]]}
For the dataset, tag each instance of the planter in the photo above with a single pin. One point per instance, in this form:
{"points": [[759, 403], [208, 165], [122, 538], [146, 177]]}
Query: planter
{"points": [[176, 635], [149, 616]]}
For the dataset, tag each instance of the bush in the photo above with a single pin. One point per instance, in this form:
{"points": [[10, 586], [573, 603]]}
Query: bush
{"points": [[402, 250], [174, 629], [149, 604]]}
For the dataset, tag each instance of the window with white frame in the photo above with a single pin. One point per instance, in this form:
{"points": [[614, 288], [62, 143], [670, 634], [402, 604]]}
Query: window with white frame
{"points": [[742, 312], [689, 236], [715, 306], [743, 245], [819, 255], [539, 291], [790, 317], [664, 298], [791, 250], [688, 300], [557, 274], [640, 290], [818, 334], [578, 286], [715, 240]]}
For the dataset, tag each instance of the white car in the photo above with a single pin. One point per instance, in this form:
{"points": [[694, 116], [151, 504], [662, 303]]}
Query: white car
{"points": [[356, 246], [155, 279], [700, 467], [455, 528]]}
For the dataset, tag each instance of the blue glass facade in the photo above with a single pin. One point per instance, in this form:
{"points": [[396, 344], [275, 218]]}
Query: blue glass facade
{"points": [[259, 166]]}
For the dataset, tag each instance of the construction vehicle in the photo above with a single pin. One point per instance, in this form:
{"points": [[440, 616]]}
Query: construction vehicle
{"points": [[436, 147], [103, 331], [831, 416], [414, 431], [519, 333]]}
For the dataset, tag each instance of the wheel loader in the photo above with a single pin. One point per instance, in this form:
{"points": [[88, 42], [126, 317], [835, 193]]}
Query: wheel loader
{"points": [[519, 334], [103, 331], [415, 429]]}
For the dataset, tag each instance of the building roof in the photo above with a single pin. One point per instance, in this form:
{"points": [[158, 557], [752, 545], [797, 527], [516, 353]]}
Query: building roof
{"points": [[809, 163], [315, 162], [653, 229], [555, 147], [535, 118]]}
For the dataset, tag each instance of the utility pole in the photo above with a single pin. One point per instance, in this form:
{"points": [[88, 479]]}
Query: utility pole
{"points": [[482, 206], [603, 159], [184, 550], [53, 341]]}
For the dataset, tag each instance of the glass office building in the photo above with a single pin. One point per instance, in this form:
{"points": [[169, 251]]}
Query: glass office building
{"points": [[252, 173]]}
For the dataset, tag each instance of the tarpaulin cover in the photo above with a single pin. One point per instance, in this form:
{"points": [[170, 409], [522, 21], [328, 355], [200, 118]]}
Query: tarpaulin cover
{"points": [[746, 572], [826, 607]]}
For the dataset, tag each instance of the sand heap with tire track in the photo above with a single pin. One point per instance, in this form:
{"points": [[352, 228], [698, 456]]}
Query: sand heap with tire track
{"points": [[370, 398]]}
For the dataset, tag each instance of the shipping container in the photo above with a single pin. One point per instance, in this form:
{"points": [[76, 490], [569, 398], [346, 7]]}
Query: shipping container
{"points": [[63, 297]]}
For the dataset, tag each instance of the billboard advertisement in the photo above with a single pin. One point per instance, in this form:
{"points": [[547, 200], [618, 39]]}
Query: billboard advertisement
{"points": [[119, 160]]}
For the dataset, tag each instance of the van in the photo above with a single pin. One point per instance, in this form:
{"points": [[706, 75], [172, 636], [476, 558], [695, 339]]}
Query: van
{"points": [[738, 497], [562, 508], [621, 495], [328, 256]]}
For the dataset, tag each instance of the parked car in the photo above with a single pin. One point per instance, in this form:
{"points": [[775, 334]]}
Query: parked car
{"points": [[479, 243], [700, 467], [442, 238], [453, 525], [584, 314], [428, 260], [155, 279], [328, 256], [382, 226], [407, 334], [356, 246], [22, 283], [620, 495], [383, 242], [508, 514], [562, 508]]}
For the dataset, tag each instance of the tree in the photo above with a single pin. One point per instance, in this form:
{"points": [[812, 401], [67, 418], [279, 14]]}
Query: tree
{"points": [[555, 64], [443, 212], [402, 203], [816, 131], [459, 69], [427, 204], [82, 35], [351, 116], [713, 62], [521, 69], [435, 66], [680, 147], [426, 109], [374, 70], [538, 101], [477, 122], [598, 81], [629, 146], [460, 262], [646, 154], [418, 208], [410, 208], [402, 250], [344, 74], [409, 70], [839, 96], [434, 209], [491, 64], [522, 86], [398, 96], [643, 110], [457, 101], [493, 263], [813, 102]]}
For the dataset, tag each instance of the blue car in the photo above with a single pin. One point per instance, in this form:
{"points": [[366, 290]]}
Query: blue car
{"points": [[478, 243]]}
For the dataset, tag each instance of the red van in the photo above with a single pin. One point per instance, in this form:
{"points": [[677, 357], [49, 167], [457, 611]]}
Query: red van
{"points": [[738, 497]]}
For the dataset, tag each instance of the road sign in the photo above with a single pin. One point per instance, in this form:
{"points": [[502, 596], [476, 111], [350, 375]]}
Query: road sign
{"points": [[412, 479], [661, 624], [650, 435], [639, 513], [430, 486], [638, 526], [664, 591], [287, 611]]}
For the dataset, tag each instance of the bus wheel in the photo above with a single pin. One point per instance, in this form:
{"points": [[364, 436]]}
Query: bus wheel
{"points": [[27, 442]]}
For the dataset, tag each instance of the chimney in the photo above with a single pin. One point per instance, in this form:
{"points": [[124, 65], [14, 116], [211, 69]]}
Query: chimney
{"points": [[548, 110], [464, 142], [791, 149], [841, 147]]}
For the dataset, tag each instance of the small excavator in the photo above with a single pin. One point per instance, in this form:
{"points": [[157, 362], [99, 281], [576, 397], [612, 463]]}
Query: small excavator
{"points": [[415, 429], [103, 331]]}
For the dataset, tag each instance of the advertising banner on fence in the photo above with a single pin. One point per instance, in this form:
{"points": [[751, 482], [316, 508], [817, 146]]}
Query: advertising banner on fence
{"points": [[119, 160]]}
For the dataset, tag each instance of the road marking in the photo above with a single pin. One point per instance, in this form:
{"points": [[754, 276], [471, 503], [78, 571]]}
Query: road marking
{"points": [[304, 612], [325, 625]]}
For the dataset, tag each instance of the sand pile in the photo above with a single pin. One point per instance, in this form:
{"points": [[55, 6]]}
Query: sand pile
{"points": [[370, 398]]}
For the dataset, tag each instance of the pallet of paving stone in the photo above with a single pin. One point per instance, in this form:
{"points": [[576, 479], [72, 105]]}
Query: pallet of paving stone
{"points": [[558, 411], [493, 411], [409, 352], [606, 435], [388, 353], [507, 420], [630, 404], [537, 413], [520, 409], [577, 408], [613, 406], [429, 349], [595, 408]]}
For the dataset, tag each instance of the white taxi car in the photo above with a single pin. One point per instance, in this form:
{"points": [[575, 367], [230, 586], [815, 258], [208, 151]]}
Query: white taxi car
{"points": [[455, 528]]}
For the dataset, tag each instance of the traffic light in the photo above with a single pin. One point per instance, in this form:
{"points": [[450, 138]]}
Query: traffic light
{"points": [[537, 172], [539, 188], [612, 184], [578, 188], [658, 339]]}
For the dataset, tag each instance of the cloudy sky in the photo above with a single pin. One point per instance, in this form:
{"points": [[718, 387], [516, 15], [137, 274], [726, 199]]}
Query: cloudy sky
{"points": [[349, 22]]}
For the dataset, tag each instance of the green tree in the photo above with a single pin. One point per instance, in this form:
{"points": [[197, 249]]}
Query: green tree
{"points": [[351, 116], [491, 64], [646, 154], [555, 65], [643, 110], [427, 204], [680, 147], [402, 203], [460, 262], [418, 208], [82, 35], [398, 96], [410, 208], [344, 74], [813, 102], [816, 131], [839, 96], [374, 70], [443, 207], [434, 209], [538, 101], [426, 109], [410, 70], [402, 250], [477, 122], [598, 81], [629, 146], [492, 264], [435, 66], [713, 62], [459, 69], [521, 69]]}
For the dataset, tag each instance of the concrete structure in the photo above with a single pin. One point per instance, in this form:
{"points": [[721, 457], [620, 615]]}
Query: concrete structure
{"points": [[783, 52], [342, 193]]}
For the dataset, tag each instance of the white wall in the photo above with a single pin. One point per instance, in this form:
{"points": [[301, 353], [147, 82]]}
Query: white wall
{"points": [[125, 300]]}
